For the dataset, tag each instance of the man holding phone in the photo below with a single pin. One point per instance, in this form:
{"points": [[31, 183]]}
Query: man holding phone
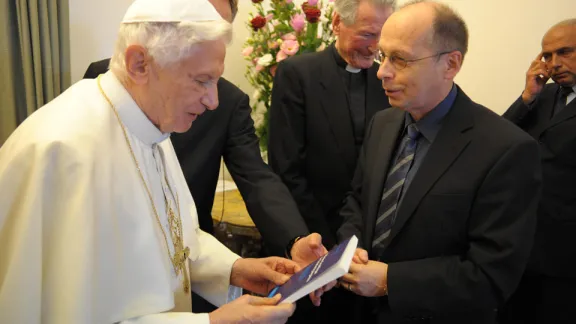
{"points": [[547, 112]]}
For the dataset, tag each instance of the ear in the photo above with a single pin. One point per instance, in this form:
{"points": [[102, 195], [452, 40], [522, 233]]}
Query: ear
{"points": [[453, 64], [138, 64], [336, 21]]}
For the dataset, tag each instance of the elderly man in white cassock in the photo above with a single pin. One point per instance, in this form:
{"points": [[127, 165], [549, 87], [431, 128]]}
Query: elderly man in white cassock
{"points": [[97, 224]]}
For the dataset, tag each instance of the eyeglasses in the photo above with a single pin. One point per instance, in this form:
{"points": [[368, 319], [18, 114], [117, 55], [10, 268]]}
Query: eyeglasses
{"points": [[400, 63]]}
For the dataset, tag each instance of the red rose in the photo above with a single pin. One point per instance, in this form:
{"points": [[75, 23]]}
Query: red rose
{"points": [[258, 22], [312, 14]]}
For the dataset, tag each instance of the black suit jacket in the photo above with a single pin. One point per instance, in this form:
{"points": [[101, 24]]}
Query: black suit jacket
{"points": [[228, 132], [463, 232], [311, 137], [554, 251]]}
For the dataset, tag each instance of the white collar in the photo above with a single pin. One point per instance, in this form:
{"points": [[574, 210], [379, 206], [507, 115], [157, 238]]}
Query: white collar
{"points": [[131, 115], [352, 69]]}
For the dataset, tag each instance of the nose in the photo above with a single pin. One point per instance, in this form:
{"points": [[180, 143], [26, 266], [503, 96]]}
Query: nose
{"points": [[373, 48], [555, 61], [210, 98], [385, 71]]}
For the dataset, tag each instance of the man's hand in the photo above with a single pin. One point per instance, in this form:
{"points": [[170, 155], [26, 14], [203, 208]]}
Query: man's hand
{"points": [[261, 275], [253, 310], [368, 280], [307, 250], [360, 256], [536, 79]]}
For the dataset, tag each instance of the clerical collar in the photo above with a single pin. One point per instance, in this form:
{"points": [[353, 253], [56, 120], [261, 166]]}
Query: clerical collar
{"points": [[341, 62], [131, 115]]}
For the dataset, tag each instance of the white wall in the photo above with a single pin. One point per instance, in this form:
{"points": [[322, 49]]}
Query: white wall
{"points": [[505, 36]]}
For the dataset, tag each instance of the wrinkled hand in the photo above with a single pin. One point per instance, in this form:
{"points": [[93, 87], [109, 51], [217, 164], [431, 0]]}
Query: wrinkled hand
{"points": [[307, 250], [368, 280], [261, 275], [536, 79], [253, 310]]}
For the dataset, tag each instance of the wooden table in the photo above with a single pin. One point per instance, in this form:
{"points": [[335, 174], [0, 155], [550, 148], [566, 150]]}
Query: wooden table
{"points": [[233, 225]]}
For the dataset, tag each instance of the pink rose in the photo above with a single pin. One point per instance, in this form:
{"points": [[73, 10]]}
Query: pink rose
{"points": [[288, 1], [259, 68], [273, 69], [247, 51], [290, 47], [312, 2], [281, 56], [269, 16], [289, 36], [298, 22]]}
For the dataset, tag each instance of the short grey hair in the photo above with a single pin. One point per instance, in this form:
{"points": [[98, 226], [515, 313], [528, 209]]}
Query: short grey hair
{"points": [[168, 43], [347, 9], [450, 32]]}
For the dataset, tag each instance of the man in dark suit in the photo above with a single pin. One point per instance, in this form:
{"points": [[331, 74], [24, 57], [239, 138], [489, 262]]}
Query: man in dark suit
{"points": [[444, 197], [547, 112], [321, 104], [228, 132]]}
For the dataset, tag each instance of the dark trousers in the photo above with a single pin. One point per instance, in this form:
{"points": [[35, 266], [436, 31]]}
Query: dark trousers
{"points": [[541, 299]]}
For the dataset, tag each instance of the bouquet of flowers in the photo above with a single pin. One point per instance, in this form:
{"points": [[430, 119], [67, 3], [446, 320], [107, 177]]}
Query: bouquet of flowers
{"points": [[284, 30]]}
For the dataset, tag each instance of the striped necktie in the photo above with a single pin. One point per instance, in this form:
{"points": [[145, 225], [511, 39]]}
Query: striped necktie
{"points": [[393, 187]]}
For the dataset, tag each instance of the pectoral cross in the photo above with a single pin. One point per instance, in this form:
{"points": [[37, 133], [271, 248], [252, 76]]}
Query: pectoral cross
{"points": [[180, 257]]}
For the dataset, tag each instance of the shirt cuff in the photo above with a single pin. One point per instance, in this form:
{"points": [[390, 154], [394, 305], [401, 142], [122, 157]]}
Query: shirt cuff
{"points": [[234, 293]]}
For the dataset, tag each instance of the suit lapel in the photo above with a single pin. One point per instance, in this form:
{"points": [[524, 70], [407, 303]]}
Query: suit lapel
{"points": [[335, 104], [449, 143], [374, 94], [568, 112], [545, 106], [384, 152]]}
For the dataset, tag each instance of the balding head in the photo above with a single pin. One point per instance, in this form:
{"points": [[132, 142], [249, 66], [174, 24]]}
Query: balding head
{"points": [[559, 52], [423, 44], [449, 31]]}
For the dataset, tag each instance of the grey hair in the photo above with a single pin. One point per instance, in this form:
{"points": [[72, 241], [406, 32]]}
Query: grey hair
{"points": [[347, 9], [168, 43], [450, 32]]}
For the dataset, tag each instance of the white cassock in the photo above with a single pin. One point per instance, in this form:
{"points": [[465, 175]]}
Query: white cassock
{"points": [[79, 241]]}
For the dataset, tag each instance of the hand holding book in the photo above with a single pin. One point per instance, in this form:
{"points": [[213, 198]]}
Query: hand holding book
{"points": [[320, 274], [368, 279], [307, 250]]}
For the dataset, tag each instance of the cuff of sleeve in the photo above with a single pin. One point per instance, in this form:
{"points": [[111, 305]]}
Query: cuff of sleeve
{"points": [[234, 293]]}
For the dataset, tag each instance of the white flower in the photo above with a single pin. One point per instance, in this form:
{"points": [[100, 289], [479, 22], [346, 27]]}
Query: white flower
{"points": [[256, 94], [265, 60]]}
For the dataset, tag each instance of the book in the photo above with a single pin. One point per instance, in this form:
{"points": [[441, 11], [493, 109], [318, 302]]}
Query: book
{"points": [[327, 268]]}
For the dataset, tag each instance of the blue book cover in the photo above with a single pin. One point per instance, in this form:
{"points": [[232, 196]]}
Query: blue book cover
{"points": [[331, 266]]}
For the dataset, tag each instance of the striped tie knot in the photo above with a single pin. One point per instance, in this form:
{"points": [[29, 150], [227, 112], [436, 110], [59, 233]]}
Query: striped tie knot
{"points": [[413, 132]]}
